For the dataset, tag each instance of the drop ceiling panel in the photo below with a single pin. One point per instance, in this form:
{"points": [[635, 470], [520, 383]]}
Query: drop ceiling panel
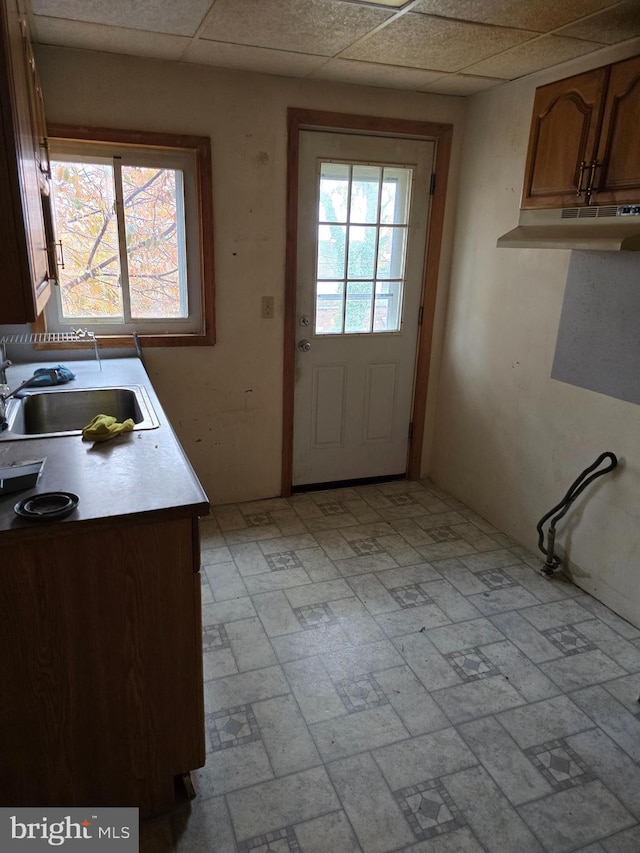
{"points": [[461, 84], [247, 58], [419, 41], [611, 26], [539, 15], [182, 17], [109, 39], [308, 26], [373, 74], [533, 56]]}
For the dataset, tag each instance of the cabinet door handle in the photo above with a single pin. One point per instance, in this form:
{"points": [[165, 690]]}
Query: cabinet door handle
{"points": [[581, 171], [46, 170], [592, 174], [60, 252]]}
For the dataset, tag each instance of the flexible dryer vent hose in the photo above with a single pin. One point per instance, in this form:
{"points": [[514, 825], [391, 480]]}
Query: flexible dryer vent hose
{"points": [[559, 510]]}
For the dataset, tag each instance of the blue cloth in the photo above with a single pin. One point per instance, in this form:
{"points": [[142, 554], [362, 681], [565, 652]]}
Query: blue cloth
{"points": [[42, 378]]}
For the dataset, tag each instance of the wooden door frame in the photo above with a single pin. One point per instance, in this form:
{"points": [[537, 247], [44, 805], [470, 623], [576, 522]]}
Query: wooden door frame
{"points": [[440, 134]]}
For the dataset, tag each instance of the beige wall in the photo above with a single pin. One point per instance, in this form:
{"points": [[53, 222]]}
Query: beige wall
{"points": [[509, 440], [225, 401]]}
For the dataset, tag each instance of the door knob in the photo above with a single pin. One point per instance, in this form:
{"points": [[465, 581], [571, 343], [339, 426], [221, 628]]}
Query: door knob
{"points": [[304, 345]]}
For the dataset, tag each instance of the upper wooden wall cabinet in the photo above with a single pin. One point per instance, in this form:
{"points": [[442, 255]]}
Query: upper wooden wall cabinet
{"points": [[583, 144], [27, 256]]}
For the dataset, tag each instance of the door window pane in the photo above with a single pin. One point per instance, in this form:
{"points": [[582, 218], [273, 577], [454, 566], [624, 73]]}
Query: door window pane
{"points": [[359, 306], [362, 251], [396, 190], [332, 251], [365, 189], [334, 192], [386, 317], [391, 252], [329, 298]]}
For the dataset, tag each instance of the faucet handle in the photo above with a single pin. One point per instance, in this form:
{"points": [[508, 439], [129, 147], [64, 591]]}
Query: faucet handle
{"points": [[3, 374]]}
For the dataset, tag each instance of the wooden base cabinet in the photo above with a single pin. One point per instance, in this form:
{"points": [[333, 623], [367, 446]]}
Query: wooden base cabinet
{"points": [[583, 146], [102, 689]]}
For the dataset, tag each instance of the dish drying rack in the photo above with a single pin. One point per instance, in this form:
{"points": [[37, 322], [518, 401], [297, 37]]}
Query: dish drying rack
{"points": [[75, 336]]}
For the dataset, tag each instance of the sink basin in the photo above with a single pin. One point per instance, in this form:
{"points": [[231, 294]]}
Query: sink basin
{"points": [[66, 412]]}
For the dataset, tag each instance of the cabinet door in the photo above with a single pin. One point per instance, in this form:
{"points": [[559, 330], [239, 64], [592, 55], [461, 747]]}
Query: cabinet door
{"points": [[38, 120], [619, 149], [563, 139], [102, 688], [24, 282]]}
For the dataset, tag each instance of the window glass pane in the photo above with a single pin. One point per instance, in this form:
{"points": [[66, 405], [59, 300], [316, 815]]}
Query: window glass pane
{"points": [[386, 317], [391, 252], [396, 188], [365, 189], [329, 296], [334, 192], [331, 251], [84, 205], [359, 306], [156, 252], [362, 251]]}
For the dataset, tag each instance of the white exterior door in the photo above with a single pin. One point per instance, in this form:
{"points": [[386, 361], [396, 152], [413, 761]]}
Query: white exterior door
{"points": [[363, 210]]}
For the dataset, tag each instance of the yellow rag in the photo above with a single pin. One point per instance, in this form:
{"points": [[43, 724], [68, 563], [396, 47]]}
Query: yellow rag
{"points": [[104, 427]]}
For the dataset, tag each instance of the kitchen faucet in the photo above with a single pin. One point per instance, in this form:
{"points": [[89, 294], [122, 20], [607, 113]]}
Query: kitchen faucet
{"points": [[51, 373]]}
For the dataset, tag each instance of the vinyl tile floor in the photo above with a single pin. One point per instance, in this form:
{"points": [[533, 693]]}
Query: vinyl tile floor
{"points": [[386, 671]]}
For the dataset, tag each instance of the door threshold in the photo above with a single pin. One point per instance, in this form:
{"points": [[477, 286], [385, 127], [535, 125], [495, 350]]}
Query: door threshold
{"points": [[344, 484]]}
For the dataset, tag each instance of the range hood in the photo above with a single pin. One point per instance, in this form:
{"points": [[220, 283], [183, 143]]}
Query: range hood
{"points": [[611, 228]]}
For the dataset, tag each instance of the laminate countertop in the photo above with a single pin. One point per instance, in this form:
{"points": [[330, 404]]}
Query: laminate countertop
{"points": [[141, 472]]}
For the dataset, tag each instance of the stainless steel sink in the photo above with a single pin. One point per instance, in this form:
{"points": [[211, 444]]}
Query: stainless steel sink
{"points": [[66, 412]]}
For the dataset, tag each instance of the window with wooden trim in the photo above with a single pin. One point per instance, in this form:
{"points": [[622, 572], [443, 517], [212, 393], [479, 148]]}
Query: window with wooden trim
{"points": [[134, 225]]}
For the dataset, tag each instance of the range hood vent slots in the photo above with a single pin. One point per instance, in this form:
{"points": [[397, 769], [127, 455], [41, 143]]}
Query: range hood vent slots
{"points": [[606, 228], [588, 212]]}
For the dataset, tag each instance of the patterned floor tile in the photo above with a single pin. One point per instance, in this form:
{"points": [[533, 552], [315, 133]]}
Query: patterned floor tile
{"points": [[333, 508], [258, 519], [471, 664], [361, 693], [569, 640], [214, 637], [442, 534], [402, 500], [496, 579], [429, 809], [559, 764], [233, 727], [313, 616], [362, 547], [280, 841], [283, 560], [410, 596]]}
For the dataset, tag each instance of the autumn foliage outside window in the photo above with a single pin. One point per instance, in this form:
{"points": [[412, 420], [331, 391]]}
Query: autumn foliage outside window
{"points": [[130, 222]]}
